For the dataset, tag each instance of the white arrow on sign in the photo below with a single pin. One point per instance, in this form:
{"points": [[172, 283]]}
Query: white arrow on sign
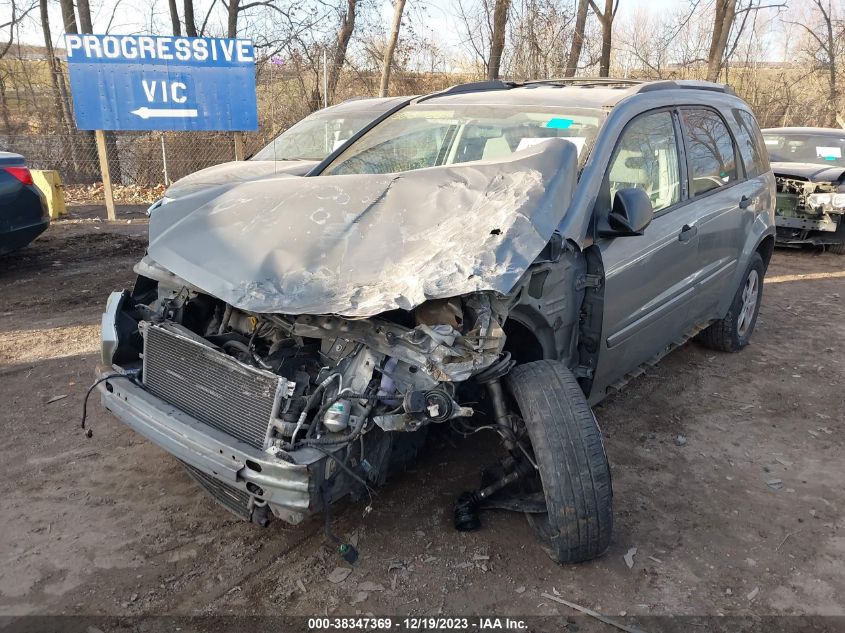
{"points": [[149, 113]]}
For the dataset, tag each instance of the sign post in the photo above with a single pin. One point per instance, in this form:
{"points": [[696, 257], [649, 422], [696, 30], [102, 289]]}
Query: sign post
{"points": [[103, 155], [239, 146], [145, 82], [164, 162]]}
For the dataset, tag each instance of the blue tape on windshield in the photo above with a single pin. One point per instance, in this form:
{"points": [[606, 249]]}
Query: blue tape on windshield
{"points": [[559, 124]]}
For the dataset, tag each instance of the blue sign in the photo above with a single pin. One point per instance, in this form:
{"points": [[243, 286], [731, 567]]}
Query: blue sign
{"points": [[145, 82]]}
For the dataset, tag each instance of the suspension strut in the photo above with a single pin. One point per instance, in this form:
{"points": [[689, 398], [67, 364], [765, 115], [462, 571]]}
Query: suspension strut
{"points": [[468, 504]]}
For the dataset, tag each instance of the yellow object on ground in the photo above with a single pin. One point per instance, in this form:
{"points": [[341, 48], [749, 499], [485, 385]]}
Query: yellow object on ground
{"points": [[50, 184]]}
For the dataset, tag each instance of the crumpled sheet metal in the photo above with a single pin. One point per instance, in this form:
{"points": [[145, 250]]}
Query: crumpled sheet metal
{"points": [[235, 172], [360, 245], [440, 350]]}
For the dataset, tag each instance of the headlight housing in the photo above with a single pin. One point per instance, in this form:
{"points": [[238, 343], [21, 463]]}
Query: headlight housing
{"points": [[158, 203], [818, 200], [821, 200], [109, 339]]}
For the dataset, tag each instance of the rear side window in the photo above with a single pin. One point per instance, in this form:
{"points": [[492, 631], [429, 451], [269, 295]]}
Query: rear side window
{"points": [[750, 144], [710, 151]]}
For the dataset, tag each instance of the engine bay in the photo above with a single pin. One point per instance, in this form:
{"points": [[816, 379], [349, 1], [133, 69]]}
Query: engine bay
{"points": [[359, 392]]}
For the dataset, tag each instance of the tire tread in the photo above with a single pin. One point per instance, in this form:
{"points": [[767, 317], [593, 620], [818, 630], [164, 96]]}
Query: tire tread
{"points": [[569, 449]]}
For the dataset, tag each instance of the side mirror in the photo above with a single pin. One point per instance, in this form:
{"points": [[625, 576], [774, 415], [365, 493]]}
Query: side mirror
{"points": [[631, 213]]}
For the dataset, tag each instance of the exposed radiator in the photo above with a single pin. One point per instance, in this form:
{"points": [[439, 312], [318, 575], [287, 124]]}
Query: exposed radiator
{"points": [[210, 385], [234, 500]]}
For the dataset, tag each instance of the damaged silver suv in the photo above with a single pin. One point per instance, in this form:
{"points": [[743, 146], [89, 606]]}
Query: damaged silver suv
{"points": [[494, 257]]}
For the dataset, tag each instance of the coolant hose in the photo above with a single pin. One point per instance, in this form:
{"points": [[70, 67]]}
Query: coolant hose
{"points": [[310, 403]]}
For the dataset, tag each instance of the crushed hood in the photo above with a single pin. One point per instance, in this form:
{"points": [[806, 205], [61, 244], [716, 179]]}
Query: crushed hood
{"points": [[234, 172], [358, 245], [812, 172]]}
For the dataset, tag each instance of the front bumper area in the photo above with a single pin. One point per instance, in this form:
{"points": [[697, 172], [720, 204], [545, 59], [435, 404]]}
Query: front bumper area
{"points": [[810, 234], [286, 487]]}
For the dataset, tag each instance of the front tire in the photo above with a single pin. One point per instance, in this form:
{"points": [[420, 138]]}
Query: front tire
{"points": [[572, 463], [838, 248], [733, 332]]}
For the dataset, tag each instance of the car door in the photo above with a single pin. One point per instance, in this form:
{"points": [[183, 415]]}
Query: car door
{"points": [[649, 278], [724, 201]]}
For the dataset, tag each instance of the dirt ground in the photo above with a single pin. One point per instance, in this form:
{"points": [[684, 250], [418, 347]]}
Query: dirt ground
{"points": [[743, 517]]}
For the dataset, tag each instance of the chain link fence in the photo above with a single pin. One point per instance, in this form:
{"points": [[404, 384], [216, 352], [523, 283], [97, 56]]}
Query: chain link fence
{"points": [[141, 164]]}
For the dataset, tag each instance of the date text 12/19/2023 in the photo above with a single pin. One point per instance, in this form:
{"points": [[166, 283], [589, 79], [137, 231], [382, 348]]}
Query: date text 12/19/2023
{"points": [[423, 623]]}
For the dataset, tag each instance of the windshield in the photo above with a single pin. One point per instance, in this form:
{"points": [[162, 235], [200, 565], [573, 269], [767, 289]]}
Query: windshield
{"points": [[316, 136], [426, 136], [806, 148]]}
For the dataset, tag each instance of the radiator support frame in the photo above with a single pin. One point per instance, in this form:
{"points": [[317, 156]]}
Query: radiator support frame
{"points": [[190, 373]]}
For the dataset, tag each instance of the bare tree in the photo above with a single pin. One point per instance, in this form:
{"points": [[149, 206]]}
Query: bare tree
{"points": [[85, 23], [476, 23], [202, 30], [86, 26], [18, 13], [233, 8], [68, 16], [606, 20], [398, 8], [79, 148], [539, 33], [723, 20], [655, 43], [497, 41], [62, 110], [344, 34], [291, 17], [190, 22], [577, 39], [827, 45], [174, 17]]}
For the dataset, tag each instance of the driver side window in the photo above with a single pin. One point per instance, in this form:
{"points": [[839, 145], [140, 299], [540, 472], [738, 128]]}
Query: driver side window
{"points": [[646, 157]]}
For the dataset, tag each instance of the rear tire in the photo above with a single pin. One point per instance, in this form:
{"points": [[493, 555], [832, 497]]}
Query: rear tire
{"points": [[573, 466], [836, 249], [733, 332]]}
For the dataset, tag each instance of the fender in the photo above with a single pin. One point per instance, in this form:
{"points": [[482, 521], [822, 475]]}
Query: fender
{"points": [[762, 228]]}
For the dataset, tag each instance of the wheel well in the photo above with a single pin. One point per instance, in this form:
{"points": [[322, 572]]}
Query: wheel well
{"points": [[521, 342], [766, 248]]}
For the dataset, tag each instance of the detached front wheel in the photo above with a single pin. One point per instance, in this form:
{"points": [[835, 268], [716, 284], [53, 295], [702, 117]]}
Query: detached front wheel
{"points": [[573, 466]]}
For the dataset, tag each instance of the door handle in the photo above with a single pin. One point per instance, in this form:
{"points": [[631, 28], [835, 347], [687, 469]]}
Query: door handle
{"points": [[688, 232], [744, 202]]}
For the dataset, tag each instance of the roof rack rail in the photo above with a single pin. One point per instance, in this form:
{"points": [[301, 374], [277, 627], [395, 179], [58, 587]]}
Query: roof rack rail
{"points": [[640, 85], [475, 86], [685, 84], [587, 81]]}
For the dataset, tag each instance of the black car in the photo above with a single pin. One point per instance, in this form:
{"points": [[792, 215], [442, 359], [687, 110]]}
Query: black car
{"points": [[23, 208], [810, 169]]}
